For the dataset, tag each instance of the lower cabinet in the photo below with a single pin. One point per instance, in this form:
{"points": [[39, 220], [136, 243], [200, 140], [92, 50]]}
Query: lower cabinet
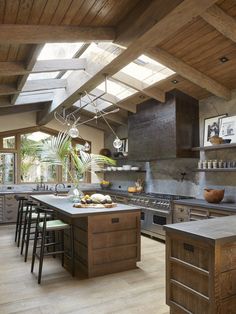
{"points": [[183, 213], [201, 275], [9, 208], [1, 209]]}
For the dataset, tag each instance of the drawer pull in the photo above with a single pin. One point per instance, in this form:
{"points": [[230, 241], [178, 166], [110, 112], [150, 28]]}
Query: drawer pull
{"points": [[115, 220], [189, 247]]}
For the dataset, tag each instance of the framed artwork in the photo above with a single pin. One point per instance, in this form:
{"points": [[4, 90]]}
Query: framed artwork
{"points": [[228, 128], [124, 147], [212, 127]]}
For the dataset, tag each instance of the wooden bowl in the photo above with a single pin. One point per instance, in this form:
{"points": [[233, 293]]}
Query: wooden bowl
{"points": [[216, 140], [213, 196]]}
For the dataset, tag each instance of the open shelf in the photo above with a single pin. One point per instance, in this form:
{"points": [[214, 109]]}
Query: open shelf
{"points": [[214, 147], [216, 170], [120, 171]]}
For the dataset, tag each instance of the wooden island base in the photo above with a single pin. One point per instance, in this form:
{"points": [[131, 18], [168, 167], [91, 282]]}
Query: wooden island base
{"points": [[104, 244], [106, 240]]}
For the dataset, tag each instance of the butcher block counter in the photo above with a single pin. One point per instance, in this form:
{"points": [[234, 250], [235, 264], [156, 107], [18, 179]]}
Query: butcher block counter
{"points": [[106, 240], [201, 266]]}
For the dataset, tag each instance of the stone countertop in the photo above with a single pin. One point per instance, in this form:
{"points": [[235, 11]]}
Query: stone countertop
{"points": [[63, 205], [217, 229], [204, 204]]}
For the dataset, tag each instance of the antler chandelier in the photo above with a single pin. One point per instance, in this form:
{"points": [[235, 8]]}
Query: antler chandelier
{"points": [[73, 119]]}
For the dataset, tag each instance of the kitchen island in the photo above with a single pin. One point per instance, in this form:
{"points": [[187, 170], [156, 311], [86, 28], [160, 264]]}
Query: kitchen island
{"points": [[201, 266], [106, 240]]}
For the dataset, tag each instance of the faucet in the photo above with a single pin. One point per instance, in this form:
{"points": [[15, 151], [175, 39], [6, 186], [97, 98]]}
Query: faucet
{"points": [[57, 185]]}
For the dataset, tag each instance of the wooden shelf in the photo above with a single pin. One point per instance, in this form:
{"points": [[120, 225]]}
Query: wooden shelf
{"points": [[120, 171], [216, 170], [214, 147]]}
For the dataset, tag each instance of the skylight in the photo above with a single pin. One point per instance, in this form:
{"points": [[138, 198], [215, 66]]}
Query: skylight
{"points": [[43, 75], [117, 89], [100, 103], [147, 70], [59, 51], [55, 51]]}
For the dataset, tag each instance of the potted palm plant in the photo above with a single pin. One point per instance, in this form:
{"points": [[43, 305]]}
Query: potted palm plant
{"points": [[57, 150]]}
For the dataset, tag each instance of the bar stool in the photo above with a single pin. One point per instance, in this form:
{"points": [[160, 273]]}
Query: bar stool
{"points": [[29, 226], [20, 217], [44, 228]]}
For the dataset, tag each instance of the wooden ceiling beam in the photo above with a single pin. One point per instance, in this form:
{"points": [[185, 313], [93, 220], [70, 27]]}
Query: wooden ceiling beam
{"points": [[30, 98], [33, 86], [174, 19], [188, 72], [46, 84], [18, 68], [79, 53], [29, 66], [13, 109], [38, 34], [221, 21]]}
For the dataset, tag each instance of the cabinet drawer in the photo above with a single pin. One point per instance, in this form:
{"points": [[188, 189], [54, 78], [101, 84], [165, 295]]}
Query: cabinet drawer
{"points": [[110, 255], [216, 214], [188, 300], [114, 222], [113, 239], [10, 205], [10, 218], [191, 253]]}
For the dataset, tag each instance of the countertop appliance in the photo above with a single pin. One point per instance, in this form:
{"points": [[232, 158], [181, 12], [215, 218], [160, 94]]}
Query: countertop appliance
{"points": [[156, 212]]}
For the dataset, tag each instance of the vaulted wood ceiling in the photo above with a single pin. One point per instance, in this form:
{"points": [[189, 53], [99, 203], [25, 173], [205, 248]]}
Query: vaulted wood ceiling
{"points": [[187, 36]]}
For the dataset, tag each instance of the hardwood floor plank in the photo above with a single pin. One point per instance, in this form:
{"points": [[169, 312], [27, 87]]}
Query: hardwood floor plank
{"points": [[138, 291]]}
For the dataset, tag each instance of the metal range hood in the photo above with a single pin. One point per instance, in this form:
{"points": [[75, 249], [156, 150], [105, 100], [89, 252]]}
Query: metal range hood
{"points": [[164, 130]]}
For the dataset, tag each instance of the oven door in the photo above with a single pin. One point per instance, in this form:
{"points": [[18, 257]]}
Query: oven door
{"points": [[156, 221]]}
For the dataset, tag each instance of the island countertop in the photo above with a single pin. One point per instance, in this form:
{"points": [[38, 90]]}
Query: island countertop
{"points": [[65, 206], [212, 230]]}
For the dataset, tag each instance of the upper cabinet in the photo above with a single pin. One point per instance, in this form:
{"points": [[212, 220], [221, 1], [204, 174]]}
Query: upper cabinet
{"points": [[164, 130]]}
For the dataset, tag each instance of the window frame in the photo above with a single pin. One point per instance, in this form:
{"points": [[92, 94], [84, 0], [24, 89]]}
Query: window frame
{"points": [[17, 133]]}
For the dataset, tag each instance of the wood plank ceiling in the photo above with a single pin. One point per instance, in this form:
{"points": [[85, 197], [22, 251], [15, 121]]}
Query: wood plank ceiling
{"points": [[192, 49]]}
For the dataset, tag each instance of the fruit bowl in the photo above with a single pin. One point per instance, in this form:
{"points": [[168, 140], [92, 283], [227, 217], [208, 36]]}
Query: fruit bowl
{"points": [[105, 185]]}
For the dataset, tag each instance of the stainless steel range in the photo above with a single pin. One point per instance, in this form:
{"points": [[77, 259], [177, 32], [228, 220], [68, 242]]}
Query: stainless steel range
{"points": [[156, 212]]}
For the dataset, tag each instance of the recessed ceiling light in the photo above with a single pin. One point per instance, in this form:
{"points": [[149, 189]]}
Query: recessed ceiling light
{"points": [[223, 59], [174, 81], [142, 96]]}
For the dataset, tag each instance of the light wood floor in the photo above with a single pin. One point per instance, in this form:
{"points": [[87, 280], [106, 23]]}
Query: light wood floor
{"points": [[137, 291]]}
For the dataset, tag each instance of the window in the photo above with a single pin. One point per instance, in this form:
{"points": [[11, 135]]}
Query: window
{"points": [[9, 142], [7, 168], [31, 167], [21, 158]]}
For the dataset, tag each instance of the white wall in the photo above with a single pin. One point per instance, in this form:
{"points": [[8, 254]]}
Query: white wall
{"points": [[24, 120]]}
